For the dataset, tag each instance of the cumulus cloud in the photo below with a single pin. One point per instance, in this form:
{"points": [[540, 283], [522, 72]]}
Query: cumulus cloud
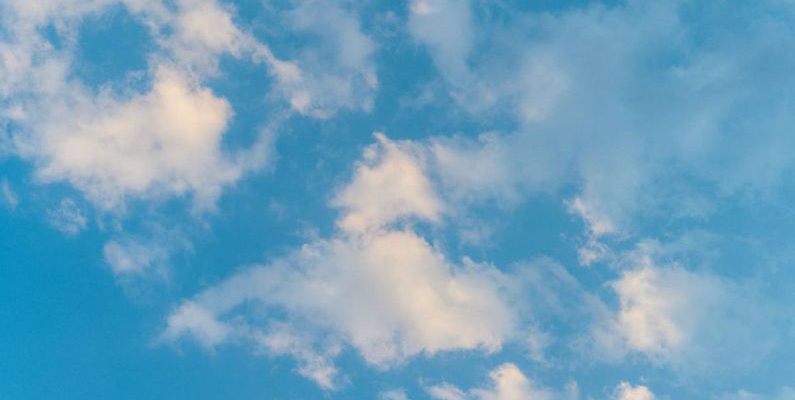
{"points": [[203, 29], [388, 185], [507, 382], [695, 322], [165, 142], [390, 297], [384, 291], [161, 142], [625, 391]]}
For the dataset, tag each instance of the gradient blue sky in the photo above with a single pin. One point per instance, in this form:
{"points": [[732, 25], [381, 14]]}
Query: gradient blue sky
{"points": [[430, 199]]}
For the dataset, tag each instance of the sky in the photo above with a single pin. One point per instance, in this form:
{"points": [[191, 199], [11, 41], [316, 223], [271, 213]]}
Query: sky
{"points": [[424, 199]]}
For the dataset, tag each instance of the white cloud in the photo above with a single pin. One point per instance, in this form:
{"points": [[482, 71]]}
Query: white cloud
{"points": [[617, 124], [67, 217], [336, 70], [205, 22], [507, 383], [625, 391], [314, 364], [389, 295], [784, 393], [598, 225], [162, 143], [386, 292], [128, 256], [7, 193], [445, 26], [159, 143], [446, 391], [694, 322], [388, 185], [476, 170], [396, 394], [200, 323]]}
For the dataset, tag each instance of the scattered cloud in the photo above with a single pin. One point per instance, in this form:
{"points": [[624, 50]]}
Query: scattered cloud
{"points": [[695, 322], [128, 256], [619, 125], [622, 112], [338, 70], [68, 218], [397, 394], [8, 194], [388, 185], [784, 393], [165, 142], [384, 291], [625, 391], [507, 382]]}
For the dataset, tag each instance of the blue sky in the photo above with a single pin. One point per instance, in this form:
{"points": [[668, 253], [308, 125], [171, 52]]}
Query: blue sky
{"points": [[430, 199]]}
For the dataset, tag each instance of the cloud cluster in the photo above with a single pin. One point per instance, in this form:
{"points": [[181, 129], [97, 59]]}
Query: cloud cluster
{"points": [[625, 391], [375, 286], [507, 383], [693, 321], [625, 112], [165, 139], [784, 393], [67, 217], [160, 142], [621, 101], [164, 142], [338, 68]]}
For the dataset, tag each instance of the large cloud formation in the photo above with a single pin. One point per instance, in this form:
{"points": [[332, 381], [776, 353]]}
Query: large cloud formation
{"points": [[623, 101], [627, 114], [377, 285], [166, 139]]}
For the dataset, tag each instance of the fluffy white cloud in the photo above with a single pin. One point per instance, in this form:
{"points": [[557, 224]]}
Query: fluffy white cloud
{"points": [[386, 292], [164, 142], [388, 185], [207, 25], [694, 322], [625, 391], [161, 142], [390, 295], [507, 383]]}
